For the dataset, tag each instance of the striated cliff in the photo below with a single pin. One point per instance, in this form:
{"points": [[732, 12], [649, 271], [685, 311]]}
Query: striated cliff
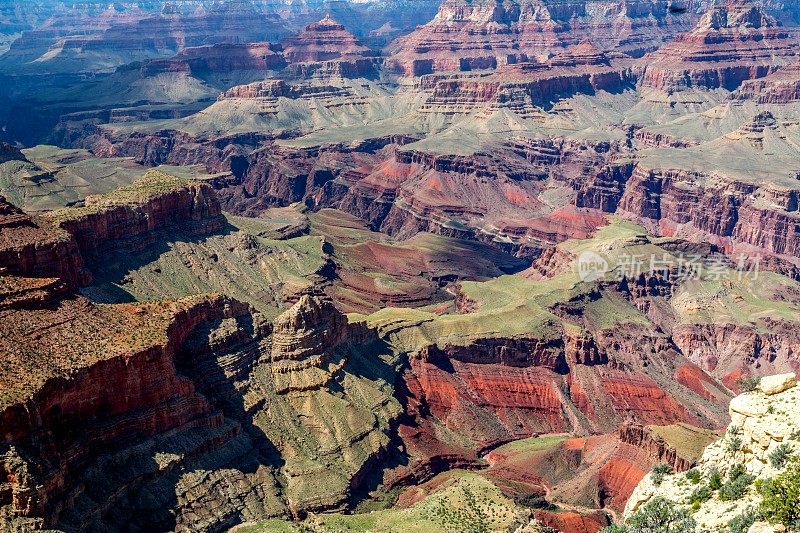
{"points": [[35, 247], [155, 201], [487, 35], [733, 42], [326, 49], [200, 400], [780, 87]]}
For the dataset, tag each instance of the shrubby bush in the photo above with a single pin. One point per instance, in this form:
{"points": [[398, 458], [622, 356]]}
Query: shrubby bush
{"points": [[737, 484], [535, 501], [781, 496], [742, 523], [699, 496], [660, 515], [714, 479], [735, 444], [780, 455], [658, 473], [747, 384]]}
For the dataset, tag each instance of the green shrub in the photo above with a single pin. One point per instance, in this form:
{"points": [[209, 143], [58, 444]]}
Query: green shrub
{"points": [[747, 384], [780, 455], [535, 501], [737, 484], [658, 473], [714, 479], [781, 501], [734, 445], [742, 522], [660, 515], [615, 528], [698, 496], [735, 431], [693, 475]]}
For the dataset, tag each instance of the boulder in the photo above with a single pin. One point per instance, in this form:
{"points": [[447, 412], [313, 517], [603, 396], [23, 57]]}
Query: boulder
{"points": [[775, 384]]}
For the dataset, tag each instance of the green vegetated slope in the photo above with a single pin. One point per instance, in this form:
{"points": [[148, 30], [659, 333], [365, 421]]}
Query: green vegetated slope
{"points": [[462, 501], [50, 177], [513, 305]]}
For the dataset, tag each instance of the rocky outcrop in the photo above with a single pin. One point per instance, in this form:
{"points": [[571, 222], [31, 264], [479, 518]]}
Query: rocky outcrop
{"points": [[526, 87], [761, 422], [643, 437], [136, 36], [733, 42], [326, 50], [10, 153], [579, 383], [725, 209], [215, 59], [63, 421], [36, 247], [323, 41], [126, 216], [188, 415], [729, 351], [487, 35], [780, 87]]}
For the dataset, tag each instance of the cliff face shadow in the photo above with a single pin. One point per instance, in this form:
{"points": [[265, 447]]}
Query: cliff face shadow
{"points": [[215, 469], [114, 263]]}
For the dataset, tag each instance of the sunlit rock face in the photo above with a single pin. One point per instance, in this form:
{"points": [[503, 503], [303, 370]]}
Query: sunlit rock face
{"points": [[761, 422], [733, 42], [489, 34]]}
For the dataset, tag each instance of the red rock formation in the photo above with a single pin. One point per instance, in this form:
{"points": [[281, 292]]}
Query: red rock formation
{"points": [[59, 418], [724, 211], [215, 59], [323, 41], [572, 522], [35, 247], [727, 351], [154, 202], [733, 42], [656, 448], [487, 35], [495, 390], [596, 472], [780, 87], [526, 86]]}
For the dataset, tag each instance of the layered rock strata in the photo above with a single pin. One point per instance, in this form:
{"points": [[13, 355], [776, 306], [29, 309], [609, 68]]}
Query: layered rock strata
{"points": [[129, 214], [487, 35], [326, 49], [733, 42], [203, 417]]}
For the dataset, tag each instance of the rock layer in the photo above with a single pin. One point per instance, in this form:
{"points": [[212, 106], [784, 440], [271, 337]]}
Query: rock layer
{"points": [[732, 43]]}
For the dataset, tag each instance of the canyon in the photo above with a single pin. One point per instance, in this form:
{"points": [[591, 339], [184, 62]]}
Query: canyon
{"points": [[323, 266]]}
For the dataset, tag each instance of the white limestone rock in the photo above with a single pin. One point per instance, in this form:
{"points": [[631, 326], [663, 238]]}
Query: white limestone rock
{"points": [[761, 421]]}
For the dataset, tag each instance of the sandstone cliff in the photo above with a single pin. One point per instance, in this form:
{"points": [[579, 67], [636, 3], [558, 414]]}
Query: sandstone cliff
{"points": [[156, 201], [733, 42], [486, 35]]}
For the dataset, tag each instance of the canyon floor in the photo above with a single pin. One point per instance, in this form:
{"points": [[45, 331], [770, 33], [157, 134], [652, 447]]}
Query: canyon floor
{"points": [[372, 266]]}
